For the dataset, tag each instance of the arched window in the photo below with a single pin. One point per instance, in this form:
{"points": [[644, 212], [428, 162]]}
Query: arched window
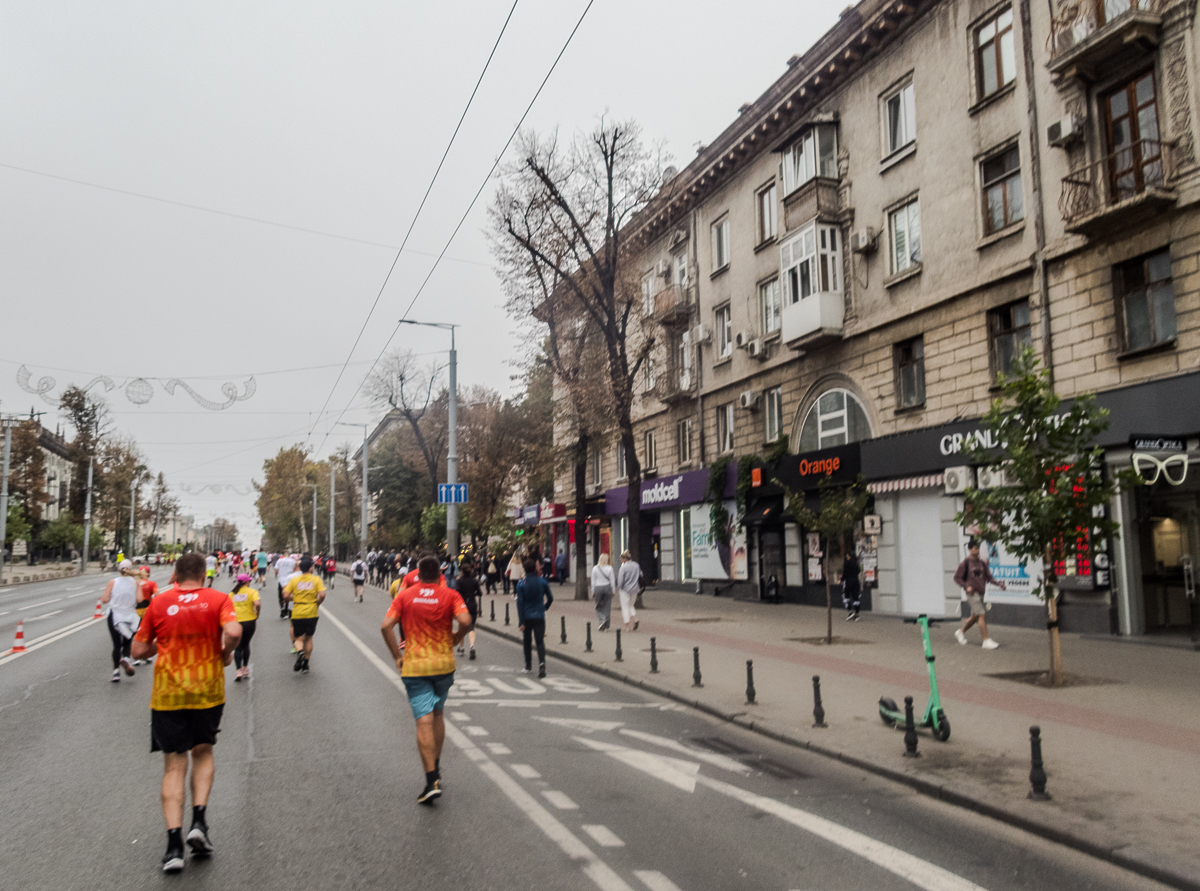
{"points": [[836, 418]]}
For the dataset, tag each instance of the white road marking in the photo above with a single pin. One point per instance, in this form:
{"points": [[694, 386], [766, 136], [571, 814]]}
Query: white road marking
{"points": [[498, 748], [49, 638], [525, 771], [603, 875], [527, 688], [475, 730], [460, 716], [655, 881], [44, 616], [603, 836], [5, 613], [581, 726], [560, 800], [43, 603], [678, 773], [722, 761]]}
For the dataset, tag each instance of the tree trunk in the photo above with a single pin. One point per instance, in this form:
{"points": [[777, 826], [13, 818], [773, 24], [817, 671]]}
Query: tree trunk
{"points": [[828, 599], [303, 531], [1056, 669], [581, 571]]}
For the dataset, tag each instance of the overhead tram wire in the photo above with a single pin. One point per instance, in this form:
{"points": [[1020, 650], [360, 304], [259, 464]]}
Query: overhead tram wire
{"points": [[453, 234], [413, 224]]}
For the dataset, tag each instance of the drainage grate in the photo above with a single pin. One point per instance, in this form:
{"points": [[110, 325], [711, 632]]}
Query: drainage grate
{"points": [[718, 745]]}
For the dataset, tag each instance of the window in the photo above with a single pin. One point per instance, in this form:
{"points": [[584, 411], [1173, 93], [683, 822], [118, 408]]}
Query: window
{"points": [[1135, 159], [900, 119], [724, 326], [597, 457], [648, 375], [768, 214], [811, 262], [1002, 202], [684, 360], [1008, 334], [683, 435], [768, 297], [910, 373], [680, 262], [836, 418], [774, 413], [720, 244], [725, 427], [649, 450], [1147, 300], [648, 293], [685, 543], [813, 154], [622, 463], [904, 236], [995, 61]]}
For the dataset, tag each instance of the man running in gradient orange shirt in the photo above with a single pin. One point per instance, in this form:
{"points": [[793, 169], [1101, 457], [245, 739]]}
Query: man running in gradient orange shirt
{"points": [[426, 613], [194, 631]]}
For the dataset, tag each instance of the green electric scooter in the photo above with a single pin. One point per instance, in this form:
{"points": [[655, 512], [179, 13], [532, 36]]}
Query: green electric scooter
{"points": [[935, 717]]}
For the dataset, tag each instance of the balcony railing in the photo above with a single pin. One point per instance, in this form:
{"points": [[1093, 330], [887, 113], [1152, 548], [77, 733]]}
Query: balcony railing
{"points": [[1079, 19], [1127, 178], [671, 305]]}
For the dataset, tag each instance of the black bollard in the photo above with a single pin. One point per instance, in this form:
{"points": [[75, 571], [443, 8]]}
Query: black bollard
{"points": [[588, 648], [506, 614], [818, 709], [750, 682], [653, 656], [619, 645], [1037, 772], [493, 609], [910, 730], [564, 628], [696, 667]]}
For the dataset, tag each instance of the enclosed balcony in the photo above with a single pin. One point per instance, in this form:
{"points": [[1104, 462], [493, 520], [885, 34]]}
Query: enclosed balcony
{"points": [[671, 306], [1124, 188], [675, 388], [813, 320], [1088, 37]]}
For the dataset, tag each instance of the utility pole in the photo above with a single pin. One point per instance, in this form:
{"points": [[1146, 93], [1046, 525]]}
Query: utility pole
{"points": [[132, 509], [87, 515], [362, 534], [8, 424], [313, 544], [332, 494]]}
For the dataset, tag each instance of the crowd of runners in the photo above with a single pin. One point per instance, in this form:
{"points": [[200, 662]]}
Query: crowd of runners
{"points": [[192, 630]]}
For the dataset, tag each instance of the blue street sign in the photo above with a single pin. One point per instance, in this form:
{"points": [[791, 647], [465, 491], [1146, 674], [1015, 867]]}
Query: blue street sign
{"points": [[452, 493]]}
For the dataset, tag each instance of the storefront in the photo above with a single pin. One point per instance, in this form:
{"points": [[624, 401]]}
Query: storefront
{"points": [[557, 532]]}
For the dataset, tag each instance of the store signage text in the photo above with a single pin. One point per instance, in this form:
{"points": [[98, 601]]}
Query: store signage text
{"points": [[661, 492], [820, 466]]}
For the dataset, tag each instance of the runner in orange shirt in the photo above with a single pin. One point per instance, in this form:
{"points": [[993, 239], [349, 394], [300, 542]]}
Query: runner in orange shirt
{"points": [[411, 578], [146, 591], [426, 613], [193, 629]]}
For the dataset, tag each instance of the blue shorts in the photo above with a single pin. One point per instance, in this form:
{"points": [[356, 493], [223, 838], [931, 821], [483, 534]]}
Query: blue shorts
{"points": [[427, 693]]}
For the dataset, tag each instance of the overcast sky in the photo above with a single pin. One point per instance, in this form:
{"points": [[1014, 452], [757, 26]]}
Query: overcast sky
{"points": [[321, 116]]}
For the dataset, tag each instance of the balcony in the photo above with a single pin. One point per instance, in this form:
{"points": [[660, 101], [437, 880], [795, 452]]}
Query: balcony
{"points": [[675, 388], [1125, 188], [817, 198], [671, 306], [814, 320], [1088, 37]]}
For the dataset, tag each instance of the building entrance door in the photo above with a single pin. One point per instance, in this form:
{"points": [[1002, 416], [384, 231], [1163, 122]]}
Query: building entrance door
{"points": [[919, 534], [1168, 536], [772, 560]]}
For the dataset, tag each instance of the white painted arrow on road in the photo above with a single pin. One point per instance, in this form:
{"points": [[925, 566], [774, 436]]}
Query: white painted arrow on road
{"points": [[679, 773], [722, 761], [581, 726]]}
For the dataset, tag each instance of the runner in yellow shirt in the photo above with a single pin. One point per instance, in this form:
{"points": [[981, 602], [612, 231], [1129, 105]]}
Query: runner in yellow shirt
{"points": [[247, 604], [307, 592]]}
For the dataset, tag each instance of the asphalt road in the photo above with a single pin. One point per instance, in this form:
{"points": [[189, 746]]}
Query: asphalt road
{"points": [[572, 782]]}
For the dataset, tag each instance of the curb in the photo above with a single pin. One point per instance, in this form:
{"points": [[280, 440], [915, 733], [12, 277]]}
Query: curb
{"points": [[1044, 830], [48, 577]]}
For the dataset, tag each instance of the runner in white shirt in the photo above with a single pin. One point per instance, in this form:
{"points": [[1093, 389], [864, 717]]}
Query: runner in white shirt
{"points": [[210, 569], [358, 575], [284, 567]]}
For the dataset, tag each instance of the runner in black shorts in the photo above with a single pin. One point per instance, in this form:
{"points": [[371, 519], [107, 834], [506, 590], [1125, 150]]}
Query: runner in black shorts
{"points": [[468, 588], [307, 592]]}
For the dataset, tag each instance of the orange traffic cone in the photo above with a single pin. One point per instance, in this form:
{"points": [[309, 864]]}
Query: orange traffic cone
{"points": [[19, 643], [99, 613]]}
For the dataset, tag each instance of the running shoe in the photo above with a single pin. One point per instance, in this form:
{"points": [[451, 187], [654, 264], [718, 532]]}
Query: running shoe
{"points": [[299, 662], [471, 658], [432, 790], [304, 667], [990, 644], [199, 841], [542, 670], [238, 676], [960, 637], [635, 624], [128, 666], [116, 678], [173, 860]]}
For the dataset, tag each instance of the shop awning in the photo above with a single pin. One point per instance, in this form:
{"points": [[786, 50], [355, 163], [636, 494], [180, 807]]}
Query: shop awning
{"points": [[927, 481]]}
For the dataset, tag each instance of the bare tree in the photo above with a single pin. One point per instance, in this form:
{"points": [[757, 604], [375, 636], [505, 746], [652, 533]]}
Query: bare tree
{"points": [[162, 504], [558, 226], [400, 383]]}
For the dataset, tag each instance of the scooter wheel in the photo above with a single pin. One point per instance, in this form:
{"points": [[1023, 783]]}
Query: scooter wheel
{"points": [[887, 705], [942, 731]]}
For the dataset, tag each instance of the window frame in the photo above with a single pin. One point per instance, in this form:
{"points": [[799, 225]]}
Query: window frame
{"points": [[995, 44], [1122, 292], [679, 269], [650, 450], [622, 463], [773, 408], [597, 466], [915, 359], [995, 333], [909, 115], [803, 160], [764, 316], [847, 396], [986, 185], [683, 356], [683, 440], [824, 256], [723, 331], [904, 206], [648, 293], [725, 428], [766, 213], [649, 374], [721, 244]]}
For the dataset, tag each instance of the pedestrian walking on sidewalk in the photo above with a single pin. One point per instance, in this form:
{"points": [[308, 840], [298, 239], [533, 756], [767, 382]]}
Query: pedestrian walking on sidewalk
{"points": [[629, 583], [851, 586], [973, 577], [493, 573], [515, 572], [533, 599], [246, 606], [604, 582], [193, 629], [425, 613], [358, 575], [561, 567], [121, 595]]}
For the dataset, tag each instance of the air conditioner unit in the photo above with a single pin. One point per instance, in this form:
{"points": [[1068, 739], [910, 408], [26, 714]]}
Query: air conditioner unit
{"points": [[1063, 133], [862, 241], [702, 334], [959, 479], [992, 478], [741, 339], [749, 399], [756, 349], [663, 268]]}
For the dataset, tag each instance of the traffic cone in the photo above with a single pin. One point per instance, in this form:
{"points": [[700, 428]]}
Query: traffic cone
{"points": [[19, 643], [99, 613]]}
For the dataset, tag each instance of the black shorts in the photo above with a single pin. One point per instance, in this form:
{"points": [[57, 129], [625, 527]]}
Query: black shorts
{"points": [[180, 730], [472, 607], [304, 627]]}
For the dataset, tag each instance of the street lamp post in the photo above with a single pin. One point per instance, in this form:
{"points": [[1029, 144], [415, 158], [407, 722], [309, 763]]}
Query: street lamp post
{"points": [[132, 508], [452, 437], [313, 543], [362, 535], [8, 424], [87, 516]]}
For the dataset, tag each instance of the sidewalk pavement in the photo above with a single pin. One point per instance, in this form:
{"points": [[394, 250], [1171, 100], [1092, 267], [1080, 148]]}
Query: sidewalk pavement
{"points": [[1122, 752], [21, 572]]}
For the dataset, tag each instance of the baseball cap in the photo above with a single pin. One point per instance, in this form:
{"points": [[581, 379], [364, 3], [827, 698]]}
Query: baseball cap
{"points": [[125, 564], [243, 578]]}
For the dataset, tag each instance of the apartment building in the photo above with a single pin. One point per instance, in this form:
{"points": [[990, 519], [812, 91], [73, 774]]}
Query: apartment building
{"points": [[867, 246]]}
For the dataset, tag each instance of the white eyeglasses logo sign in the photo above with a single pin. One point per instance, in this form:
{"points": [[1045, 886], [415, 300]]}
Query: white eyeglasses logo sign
{"points": [[1173, 468]]}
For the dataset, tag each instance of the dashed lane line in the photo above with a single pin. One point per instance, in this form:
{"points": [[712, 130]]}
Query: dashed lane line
{"points": [[39, 642], [44, 616], [603, 836], [560, 800], [602, 875], [655, 881], [498, 749], [525, 771]]}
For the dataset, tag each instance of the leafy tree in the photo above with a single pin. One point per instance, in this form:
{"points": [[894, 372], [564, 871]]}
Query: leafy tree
{"points": [[1056, 486], [18, 528], [398, 491], [281, 496], [433, 525], [60, 533], [162, 505]]}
